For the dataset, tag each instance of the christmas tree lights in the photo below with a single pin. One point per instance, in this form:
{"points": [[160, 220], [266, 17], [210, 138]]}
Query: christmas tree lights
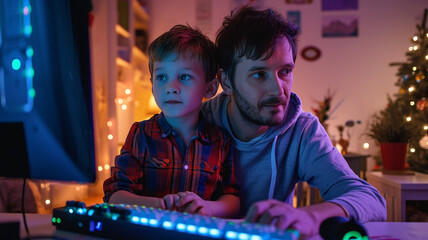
{"points": [[413, 95]]}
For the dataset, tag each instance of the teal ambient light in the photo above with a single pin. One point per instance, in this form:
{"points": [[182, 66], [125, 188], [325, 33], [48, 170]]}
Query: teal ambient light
{"points": [[16, 64], [16, 77]]}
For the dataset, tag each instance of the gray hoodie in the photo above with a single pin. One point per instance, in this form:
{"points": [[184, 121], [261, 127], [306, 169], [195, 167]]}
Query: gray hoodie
{"points": [[299, 149]]}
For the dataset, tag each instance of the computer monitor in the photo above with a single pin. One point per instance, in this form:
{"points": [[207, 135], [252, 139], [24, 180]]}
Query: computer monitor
{"points": [[46, 125]]}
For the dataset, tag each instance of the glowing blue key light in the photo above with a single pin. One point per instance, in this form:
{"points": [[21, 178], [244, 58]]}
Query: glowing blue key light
{"points": [[70, 210], [243, 236], [203, 230], [214, 232], [91, 212], [181, 227], [256, 237], [191, 228], [144, 221], [231, 235], [167, 225], [81, 211], [99, 226], [135, 219], [114, 217], [153, 222]]}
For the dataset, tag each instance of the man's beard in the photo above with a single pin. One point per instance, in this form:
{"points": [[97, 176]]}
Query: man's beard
{"points": [[253, 114]]}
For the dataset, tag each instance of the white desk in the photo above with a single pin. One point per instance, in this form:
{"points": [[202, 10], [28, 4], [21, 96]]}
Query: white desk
{"points": [[40, 224], [397, 189]]}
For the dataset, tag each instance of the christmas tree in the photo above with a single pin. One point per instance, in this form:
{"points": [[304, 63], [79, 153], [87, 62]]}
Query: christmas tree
{"points": [[413, 96]]}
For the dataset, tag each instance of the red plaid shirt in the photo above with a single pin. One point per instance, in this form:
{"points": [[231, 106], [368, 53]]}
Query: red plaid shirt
{"points": [[154, 161]]}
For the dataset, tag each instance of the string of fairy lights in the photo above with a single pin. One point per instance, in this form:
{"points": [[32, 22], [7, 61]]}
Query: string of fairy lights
{"points": [[123, 104]]}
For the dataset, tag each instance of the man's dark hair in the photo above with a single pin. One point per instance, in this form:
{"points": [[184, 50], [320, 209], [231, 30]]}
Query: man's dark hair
{"points": [[253, 34], [188, 42]]}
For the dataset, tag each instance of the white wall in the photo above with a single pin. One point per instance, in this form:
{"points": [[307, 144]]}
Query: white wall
{"points": [[357, 68]]}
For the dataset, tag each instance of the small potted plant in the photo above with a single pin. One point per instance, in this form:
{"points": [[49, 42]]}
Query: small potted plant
{"points": [[393, 132], [344, 143]]}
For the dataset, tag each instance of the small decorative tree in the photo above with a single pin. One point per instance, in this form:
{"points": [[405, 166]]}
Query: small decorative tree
{"points": [[390, 125], [409, 108]]}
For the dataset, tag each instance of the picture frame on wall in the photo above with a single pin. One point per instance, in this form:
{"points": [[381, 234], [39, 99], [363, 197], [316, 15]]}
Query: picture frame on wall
{"points": [[204, 15], [294, 17], [339, 5], [255, 3], [340, 26], [298, 1]]}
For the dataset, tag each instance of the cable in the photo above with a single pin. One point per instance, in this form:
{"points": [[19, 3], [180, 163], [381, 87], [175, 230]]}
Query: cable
{"points": [[25, 219], [23, 208]]}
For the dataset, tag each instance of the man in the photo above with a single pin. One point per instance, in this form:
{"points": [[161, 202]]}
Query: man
{"points": [[276, 144]]}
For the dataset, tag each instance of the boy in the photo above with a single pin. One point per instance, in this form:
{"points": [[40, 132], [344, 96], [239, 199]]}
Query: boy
{"points": [[175, 160]]}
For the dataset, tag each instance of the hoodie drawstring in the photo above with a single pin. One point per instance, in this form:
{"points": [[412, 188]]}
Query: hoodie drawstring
{"points": [[274, 170]]}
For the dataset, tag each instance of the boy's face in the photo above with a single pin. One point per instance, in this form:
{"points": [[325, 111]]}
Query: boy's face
{"points": [[179, 86], [262, 88]]}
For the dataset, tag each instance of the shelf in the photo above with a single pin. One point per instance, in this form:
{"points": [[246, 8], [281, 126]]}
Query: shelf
{"points": [[122, 63], [122, 31], [140, 14], [139, 54]]}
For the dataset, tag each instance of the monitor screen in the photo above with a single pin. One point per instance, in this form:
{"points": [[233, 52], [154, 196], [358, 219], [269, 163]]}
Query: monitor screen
{"points": [[46, 126]]}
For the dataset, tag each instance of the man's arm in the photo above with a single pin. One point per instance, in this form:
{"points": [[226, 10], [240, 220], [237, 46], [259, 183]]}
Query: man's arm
{"points": [[323, 167]]}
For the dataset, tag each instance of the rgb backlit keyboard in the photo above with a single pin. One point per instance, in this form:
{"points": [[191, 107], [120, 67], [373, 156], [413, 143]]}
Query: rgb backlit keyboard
{"points": [[120, 221]]}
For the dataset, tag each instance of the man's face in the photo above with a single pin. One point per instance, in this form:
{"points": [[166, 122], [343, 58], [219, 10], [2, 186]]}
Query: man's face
{"points": [[262, 88]]}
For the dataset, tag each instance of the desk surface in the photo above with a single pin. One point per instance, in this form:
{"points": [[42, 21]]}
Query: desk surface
{"points": [[40, 225], [416, 181]]}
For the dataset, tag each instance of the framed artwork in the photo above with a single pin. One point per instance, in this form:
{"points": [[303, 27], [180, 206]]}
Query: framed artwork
{"points": [[204, 15], [339, 5], [294, 17], [340, 26], [259, 4], [298, 1]]}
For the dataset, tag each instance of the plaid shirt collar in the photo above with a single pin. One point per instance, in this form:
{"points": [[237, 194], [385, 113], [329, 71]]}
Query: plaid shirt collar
{"points": [[205, 134]]}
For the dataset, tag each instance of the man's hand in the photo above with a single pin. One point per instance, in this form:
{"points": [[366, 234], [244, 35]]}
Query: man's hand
{"points": [[187, 202], [283, 216]]}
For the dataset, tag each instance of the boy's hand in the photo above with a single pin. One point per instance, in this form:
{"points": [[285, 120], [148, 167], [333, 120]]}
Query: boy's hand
{"points": [[187, 202], [169, 201], [190, 202]]}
